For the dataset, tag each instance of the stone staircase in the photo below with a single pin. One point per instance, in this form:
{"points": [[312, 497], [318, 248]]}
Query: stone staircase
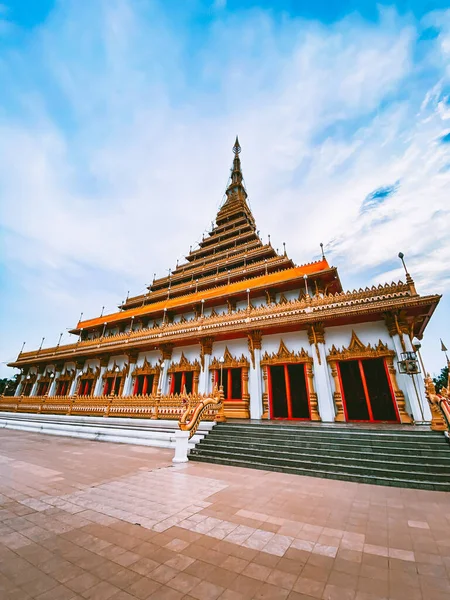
{"points": [[144, 432], [410, 457]]}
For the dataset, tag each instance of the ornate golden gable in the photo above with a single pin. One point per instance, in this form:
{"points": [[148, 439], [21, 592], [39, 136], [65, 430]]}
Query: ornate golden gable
{"points": [[285, 356], [356, 349], [146, 369], [113, 373], [67, 376], [230, 361], [184, 365], [90, 373]]}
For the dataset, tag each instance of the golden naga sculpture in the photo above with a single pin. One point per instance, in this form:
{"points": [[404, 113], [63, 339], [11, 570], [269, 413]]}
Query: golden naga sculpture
{"points": [[195, 415], [439, 405]]}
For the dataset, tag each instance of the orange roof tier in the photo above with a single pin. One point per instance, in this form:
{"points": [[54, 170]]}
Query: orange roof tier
{"points": [[260, 283]]}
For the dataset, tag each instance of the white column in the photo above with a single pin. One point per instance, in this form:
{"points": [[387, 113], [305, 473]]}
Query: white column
{"points": [[205, 375], [35, 385], [52, 388], [98, 390], [255, 386], [20, 385], [162, 384], [73, 387], [128, 385], [411, 385], [322, 383]]}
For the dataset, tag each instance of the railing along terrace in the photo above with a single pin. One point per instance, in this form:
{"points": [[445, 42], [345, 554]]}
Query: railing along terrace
{"points": [[155, 406], [439, 406]]}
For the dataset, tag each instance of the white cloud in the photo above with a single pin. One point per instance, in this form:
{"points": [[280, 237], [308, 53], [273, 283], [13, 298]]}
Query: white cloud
{"points": [[115, 173]]}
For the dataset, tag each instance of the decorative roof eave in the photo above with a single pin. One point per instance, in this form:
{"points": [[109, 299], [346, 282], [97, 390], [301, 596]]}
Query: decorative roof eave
{"points": [[298, 313], [260, 282]]}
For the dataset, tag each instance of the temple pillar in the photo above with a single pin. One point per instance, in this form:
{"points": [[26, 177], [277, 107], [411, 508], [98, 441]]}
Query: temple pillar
{"points": [[98, 389], [166, 355], [34, 389], [128, 385], [255, 375], [78, 370], [412, 385], [57, 373], [20, 385], [316, 337], [205, 361]]}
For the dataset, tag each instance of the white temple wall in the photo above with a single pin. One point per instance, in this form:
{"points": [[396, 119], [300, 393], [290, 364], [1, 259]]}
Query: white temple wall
{"points": [[91, 363], [221, 309], [290, 295], [370, 332], [119, 359], [241, 305], [258, 301], [236, 347], [192, 353], [294, 341], [152, 357]]}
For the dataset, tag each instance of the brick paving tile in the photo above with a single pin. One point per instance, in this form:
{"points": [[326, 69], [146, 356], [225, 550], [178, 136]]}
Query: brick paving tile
{"points": [[83, 520]]}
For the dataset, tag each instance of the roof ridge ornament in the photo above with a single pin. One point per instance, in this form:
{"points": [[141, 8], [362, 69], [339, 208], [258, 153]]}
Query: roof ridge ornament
{"points": [[409, 279]]}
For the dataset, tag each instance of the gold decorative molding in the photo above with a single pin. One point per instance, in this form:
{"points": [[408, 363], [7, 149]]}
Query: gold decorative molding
{"points": [[206, 345], [356, 350], [113, 373], [166, 351], [434, 400], [316, 336], [66, 376], [184, 365], [397, 324], [104, 361], [90, 373], [230, 361], [146, 369], [254, 343], [285, 356], [313, 401]]}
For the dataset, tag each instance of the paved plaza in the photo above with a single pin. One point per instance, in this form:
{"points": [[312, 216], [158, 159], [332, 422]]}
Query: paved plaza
{"points": [[94, 521]]}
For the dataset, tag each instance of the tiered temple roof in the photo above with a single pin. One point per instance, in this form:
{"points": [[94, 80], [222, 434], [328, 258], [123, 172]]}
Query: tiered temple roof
{"points": [[232, 252]]}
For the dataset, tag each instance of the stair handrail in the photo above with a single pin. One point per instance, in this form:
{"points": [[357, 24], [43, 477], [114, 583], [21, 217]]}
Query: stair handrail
{"points": [[439, 406], [195, 415]]}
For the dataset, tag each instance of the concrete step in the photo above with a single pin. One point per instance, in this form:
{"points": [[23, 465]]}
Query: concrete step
{"points": [[367, 452], [413, 458], [343, 476], [348, 465], [144, 432]]}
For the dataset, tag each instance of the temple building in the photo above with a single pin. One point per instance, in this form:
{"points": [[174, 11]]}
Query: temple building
{"points": [[284, 340]]}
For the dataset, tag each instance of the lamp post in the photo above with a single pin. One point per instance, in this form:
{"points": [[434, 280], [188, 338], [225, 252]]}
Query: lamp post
{"points": [[248, 299], [305, 277], [221, 361], [417, 346], [116, 370]]}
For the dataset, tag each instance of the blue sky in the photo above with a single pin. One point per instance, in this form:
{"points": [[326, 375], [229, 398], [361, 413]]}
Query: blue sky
{"points": [[117, 119]]}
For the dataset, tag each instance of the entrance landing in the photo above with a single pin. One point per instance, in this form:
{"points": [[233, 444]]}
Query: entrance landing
{"points": [[336, 426]]}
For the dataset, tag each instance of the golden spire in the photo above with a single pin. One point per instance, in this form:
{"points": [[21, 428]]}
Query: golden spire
{"points": [[236, 184], [236, 195]]}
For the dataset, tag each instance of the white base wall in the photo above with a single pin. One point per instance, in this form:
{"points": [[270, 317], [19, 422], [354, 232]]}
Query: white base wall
{"points": [[143, 432]]}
